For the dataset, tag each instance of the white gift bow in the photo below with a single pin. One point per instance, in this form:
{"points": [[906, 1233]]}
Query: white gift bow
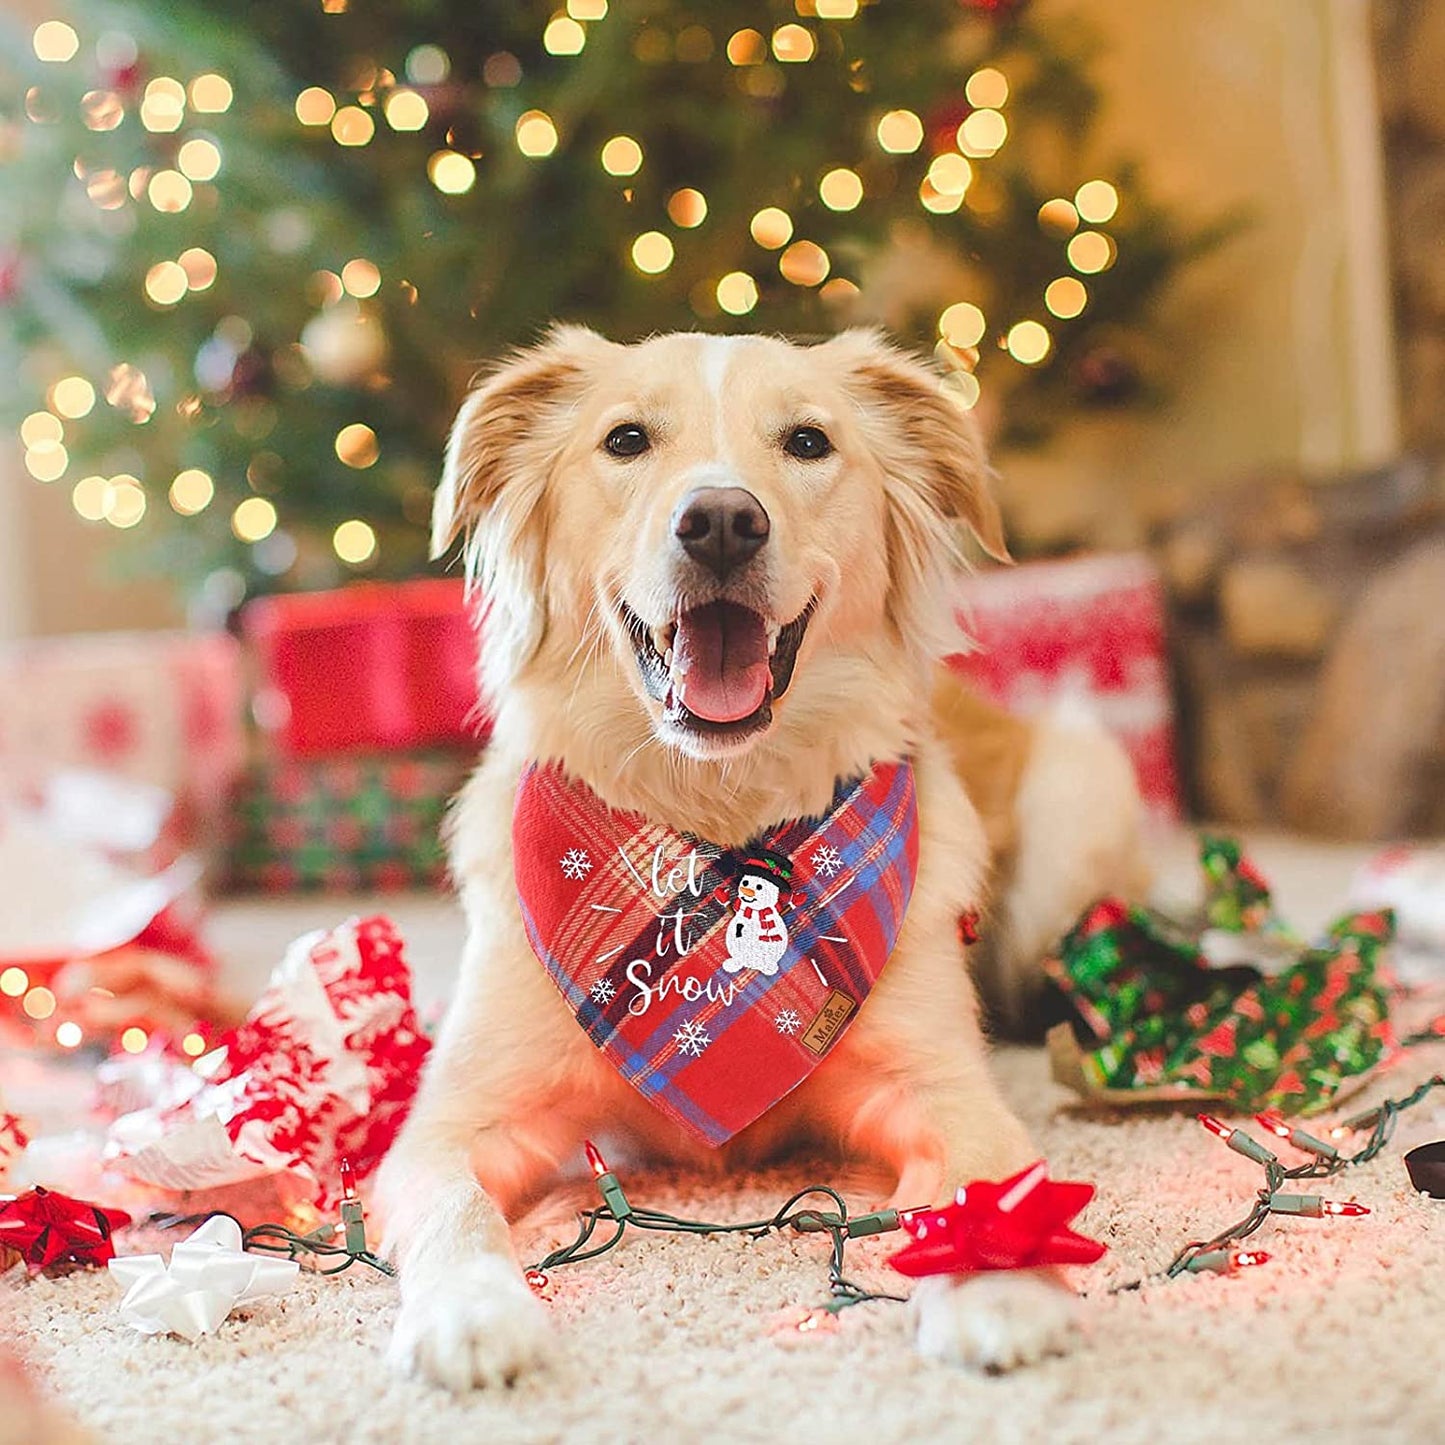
{"points": [[208, 1276]]}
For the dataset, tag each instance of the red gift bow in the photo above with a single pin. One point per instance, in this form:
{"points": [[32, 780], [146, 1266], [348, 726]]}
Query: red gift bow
{"points": [[44, 1227], [1019, 1223]]}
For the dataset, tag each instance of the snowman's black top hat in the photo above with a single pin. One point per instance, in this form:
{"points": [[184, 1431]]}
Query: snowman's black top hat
{"points": [[767, 864]]}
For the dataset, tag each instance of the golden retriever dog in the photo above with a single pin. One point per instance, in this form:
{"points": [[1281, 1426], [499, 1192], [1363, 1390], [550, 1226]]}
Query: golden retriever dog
{"points": [[719, 574]]}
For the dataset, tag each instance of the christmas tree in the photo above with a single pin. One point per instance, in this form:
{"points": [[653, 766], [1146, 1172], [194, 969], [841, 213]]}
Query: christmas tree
{"points": [[258, 253]]}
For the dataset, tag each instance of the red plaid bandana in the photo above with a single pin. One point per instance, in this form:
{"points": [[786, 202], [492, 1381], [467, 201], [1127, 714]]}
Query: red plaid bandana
{"points": [[713, 979]]}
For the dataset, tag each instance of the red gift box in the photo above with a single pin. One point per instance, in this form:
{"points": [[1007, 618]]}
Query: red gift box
{"points": [[1086, 635], [372, 667]]}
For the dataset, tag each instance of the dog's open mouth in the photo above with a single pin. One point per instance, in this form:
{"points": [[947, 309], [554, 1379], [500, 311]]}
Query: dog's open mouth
{"points": [[717, 669]]}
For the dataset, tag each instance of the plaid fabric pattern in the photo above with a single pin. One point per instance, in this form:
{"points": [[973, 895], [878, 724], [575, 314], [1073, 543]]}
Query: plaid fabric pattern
{"points": [[630, 919]]}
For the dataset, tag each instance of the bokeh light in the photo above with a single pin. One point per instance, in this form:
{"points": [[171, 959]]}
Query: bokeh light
{"points": [[211, 94], [163, 106], [315, 106], [14, 982], [793, 44], [406, 110], [1091, 251], [962, 324], [687, 208], [841, 189], [452, 173], [72, 396], [900, 132], [1096, 201], [1028, 342], [354, 542], [192, 491], [101, 110], [771, 228], [199, 266], [987, 88], [169, 192], [357, 445], [352, 126], [747, 47], [536, 134], [166, 282], [804, 263], [982, 133], [652, 253], [199, 159], [622, 156], [1066, 297], [87, 497], [55, 41], [1059, 216], [125, 502], [253, 519], [39, 1003], [563, 36], [737, 293]]}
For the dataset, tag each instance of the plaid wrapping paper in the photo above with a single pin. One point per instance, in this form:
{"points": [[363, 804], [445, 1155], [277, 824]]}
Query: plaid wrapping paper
{"points": [[342, 825], [632, 920]]}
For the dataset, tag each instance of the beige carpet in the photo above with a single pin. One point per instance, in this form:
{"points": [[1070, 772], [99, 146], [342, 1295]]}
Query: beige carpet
{"points": [[1341, 1337]]}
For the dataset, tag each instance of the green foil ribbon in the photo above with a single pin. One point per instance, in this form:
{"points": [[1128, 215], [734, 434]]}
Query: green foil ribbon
{"points": [[1153, 1021]]}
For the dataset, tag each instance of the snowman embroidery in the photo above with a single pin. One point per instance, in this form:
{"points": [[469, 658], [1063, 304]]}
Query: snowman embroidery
{"points": [[757, 937]]}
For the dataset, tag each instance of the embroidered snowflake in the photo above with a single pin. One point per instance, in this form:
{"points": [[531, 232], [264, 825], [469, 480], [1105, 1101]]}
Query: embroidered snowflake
{"points": [[788, 1022], [692, 1039], [575, 863], [827, 861], [604, 991]]}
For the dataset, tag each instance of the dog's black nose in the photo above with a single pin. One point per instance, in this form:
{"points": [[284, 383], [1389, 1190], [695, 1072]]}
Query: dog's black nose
{"points": [[721, 527]]}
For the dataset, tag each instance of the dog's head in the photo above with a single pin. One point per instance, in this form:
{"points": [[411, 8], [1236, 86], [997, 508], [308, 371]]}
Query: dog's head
{"points": [[715, 530]]}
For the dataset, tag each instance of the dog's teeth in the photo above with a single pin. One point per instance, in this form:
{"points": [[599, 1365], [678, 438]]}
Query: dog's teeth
{"points": [[772, 638], [661, 640], [667, 659]]}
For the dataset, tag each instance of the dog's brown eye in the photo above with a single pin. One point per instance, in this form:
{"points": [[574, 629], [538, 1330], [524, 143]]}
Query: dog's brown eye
{"points": [[627, 440], [807, 443]]}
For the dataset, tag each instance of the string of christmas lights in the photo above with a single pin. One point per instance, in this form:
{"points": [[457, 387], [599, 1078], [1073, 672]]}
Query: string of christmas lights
{"points": [[619, 1212], [1325, 1161]]}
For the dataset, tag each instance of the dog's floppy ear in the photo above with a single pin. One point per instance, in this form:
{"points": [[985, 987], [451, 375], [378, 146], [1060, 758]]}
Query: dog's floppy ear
{"points": [[502, 449], [927, 441], [502, 431]]}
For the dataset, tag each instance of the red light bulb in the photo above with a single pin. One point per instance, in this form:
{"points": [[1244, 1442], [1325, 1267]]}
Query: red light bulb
{"points": [[1247, 1258], [1220, 1131], [348, 1179], [537, 1280], [1274, 1124], [1346, 1209], [595, 1159]]}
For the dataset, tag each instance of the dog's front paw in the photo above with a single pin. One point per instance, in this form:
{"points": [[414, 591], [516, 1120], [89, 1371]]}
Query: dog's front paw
{"points": [[994, 1322], [479, 1325]]}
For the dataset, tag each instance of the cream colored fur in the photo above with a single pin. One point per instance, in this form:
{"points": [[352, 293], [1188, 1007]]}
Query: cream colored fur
{"points": [[559, 534]]}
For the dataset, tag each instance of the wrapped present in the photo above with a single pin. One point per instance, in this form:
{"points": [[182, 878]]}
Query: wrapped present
{"points": [[1087, 634], [1153, 1021], [367, 668], [342, 825], [161, 708], [322, 1069]]}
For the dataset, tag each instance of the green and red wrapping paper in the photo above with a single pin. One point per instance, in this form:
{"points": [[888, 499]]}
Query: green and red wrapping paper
{"points": [[1152, 1021]]}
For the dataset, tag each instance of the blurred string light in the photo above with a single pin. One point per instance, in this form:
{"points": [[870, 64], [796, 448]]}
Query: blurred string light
{"points": [[687, 208], [199, 159], [1028, 342], [315, 106], [1066, 297], [536, 134], [587, 9], [747, 47], [55, 41], [192, 491], [982, 133], [1059, 215], [1096, 201], [737, 293], [357, 446], [452, 173], [199, 266], [72, 397], [962, 325], [987, 89], [652, 253], [354, 542], [563, 36], [169, 192], [793, 44], [835, 9], [841, 189], [949, 174], [13, 982], [406, 110], [361, 278], [211, 94], [804, 263], [900, 132], [771, 228], [125, 502], [254, 519], [352, 126], [166, 282], [621, 156], [428, 65], [163, 106], [101, 110], [87, 497], [1090, 252]]}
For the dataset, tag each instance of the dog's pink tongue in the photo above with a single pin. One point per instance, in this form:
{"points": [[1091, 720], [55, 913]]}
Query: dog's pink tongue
{"points": [[722, 662]]}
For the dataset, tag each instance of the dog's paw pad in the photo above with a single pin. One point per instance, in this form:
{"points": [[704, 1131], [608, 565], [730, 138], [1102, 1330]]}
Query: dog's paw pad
{"points": [[479, 1328], [994, 1322]]}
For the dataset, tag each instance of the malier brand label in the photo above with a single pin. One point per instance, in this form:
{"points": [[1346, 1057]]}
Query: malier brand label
{"points": [[831, 1017]]}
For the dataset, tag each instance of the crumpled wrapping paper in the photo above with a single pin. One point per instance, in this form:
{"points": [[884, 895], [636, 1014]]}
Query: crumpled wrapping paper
{"points": [[324, 1067], [209, 1274], [1152, 1021]]}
